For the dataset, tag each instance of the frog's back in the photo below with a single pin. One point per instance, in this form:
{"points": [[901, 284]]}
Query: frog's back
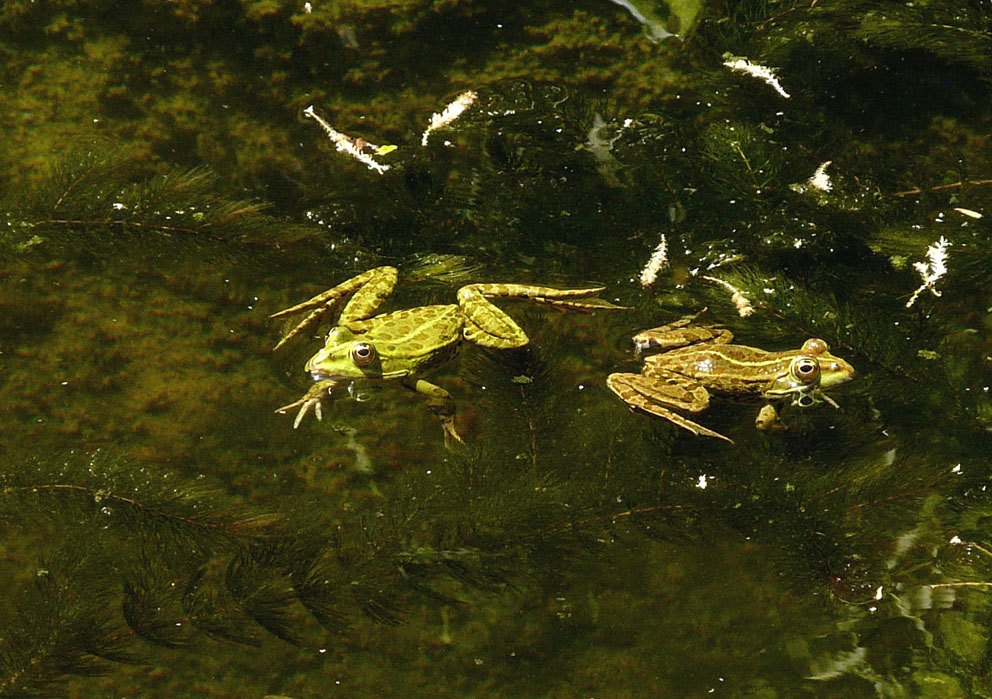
{"points": [[414, 333], [735, 370]]}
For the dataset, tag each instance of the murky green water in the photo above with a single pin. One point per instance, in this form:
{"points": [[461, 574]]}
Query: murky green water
{"points": [[166, 533]]}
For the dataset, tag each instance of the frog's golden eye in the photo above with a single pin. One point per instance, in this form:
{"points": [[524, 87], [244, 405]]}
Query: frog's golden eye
{"points": [[362, 354], [806, 369]]}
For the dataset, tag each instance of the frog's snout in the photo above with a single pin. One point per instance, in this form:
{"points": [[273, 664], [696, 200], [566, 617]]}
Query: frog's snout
{"points": [[313, 366], [843, 369]]}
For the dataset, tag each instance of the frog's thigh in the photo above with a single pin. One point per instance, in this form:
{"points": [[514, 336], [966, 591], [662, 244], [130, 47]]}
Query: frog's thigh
{"points": [[636, 391], [625, 386], [487, 325], [671, 389], [373, 287]]}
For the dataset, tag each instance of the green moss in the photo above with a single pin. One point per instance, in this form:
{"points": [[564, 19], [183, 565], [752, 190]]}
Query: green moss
{"points": [[962, 637], [936, 685], [153, 73]]}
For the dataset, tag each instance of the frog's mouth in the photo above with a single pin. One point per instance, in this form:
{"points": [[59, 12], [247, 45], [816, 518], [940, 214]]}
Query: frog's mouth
{"points": [[319, 375]]}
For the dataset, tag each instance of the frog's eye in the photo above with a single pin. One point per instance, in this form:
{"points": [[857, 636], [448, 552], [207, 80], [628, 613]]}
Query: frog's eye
{"points": [[362, 354], [815, 346], [806, 369], [805, 400]]}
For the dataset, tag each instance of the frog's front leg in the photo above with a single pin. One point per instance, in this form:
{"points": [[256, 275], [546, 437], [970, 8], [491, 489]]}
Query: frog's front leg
{"points": [[660, 393], [440, 403], [311, 399], [768, 419]]}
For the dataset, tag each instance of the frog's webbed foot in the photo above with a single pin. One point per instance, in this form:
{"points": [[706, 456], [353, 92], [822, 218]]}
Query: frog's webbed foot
{"points": [[636, 391], [311, 399], [582, 306], [560, 299], [367, 291]]}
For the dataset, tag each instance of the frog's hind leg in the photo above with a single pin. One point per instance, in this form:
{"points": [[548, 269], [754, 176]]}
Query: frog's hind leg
{"points": [[485, 324], [440, 403], [682, 333], [497, 330], [643, 392], [489, 326], [312, 319], [572, 299], [370, 294], [367, 291]]}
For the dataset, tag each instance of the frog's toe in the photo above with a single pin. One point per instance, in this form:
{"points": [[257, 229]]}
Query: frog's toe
{"points": [[452, 439], [696, 428], [311, 399], [317, 411], [684, 422], [295, 404], [304, 404]]}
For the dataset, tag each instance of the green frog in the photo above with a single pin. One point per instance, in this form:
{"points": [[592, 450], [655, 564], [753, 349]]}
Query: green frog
{"points": [[698, 361], [403, 344]]}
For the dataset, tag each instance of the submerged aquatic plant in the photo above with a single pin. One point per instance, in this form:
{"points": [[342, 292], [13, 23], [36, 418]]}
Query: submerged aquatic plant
{"points": [[98, 200]]}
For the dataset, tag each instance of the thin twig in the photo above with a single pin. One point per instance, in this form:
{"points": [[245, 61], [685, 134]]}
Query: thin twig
{"points": [[72, 185], [939, 188]]}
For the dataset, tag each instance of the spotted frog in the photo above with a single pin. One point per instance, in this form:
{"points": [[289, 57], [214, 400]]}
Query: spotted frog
{"points": [[403, 344], [698, 361]]}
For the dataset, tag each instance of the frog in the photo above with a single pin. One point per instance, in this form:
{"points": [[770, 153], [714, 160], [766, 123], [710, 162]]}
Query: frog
{"points": [[698, 361], [402, 345]]}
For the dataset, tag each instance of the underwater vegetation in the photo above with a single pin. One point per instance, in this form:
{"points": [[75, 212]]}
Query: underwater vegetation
{"points": [[163, 532]]}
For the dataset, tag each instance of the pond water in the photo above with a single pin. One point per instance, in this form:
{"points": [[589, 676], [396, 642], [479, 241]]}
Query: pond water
{"points": [[798, 169]]}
